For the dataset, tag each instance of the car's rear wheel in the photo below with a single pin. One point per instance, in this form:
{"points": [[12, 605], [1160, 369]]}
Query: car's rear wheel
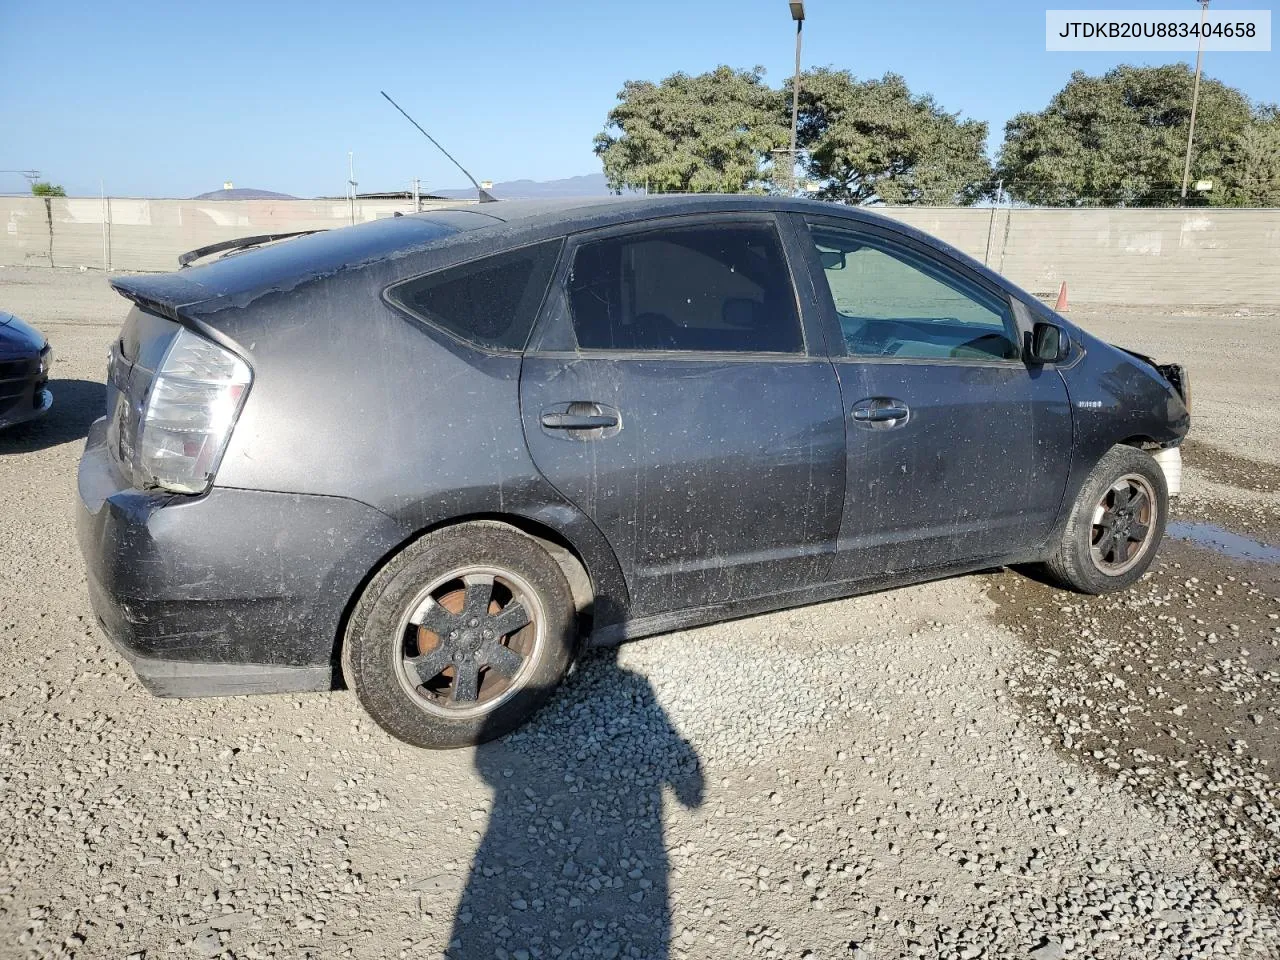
{"points": [[461, 636], [1115, 524]]}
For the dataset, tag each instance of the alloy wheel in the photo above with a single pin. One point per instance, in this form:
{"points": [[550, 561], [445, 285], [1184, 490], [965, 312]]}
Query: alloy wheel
{"points": [[1123, 525], [468, 641]]}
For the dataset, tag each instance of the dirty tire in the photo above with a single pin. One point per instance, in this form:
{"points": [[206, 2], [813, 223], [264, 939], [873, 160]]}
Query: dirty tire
{"points": [[371, 646], [1072, 564]]}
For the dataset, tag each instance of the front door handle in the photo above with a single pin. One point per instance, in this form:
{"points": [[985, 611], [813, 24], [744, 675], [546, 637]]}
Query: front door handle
{"points": [[578, 421]]}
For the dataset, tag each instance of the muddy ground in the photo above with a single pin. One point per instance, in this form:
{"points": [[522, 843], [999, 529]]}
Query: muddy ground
{"points": [[1156, 685]]}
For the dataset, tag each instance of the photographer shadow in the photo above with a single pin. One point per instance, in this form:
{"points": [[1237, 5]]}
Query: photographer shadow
{"points": [[573, 861]]}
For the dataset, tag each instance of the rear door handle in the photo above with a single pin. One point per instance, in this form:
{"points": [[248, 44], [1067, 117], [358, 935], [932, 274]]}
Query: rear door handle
{"points": [[579, 421], [870, 414]]}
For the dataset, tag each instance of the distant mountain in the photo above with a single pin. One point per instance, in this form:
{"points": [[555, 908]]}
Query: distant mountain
{"points": [[587, 185], [242, 193]]}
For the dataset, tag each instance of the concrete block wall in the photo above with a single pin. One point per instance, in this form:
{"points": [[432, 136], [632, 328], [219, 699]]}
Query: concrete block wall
{"points": [[965, 228], [126, 234], [1165, 258]]}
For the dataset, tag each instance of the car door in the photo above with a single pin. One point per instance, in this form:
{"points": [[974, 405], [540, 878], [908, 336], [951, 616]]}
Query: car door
{"points": [[669, 393], [958, 450]]}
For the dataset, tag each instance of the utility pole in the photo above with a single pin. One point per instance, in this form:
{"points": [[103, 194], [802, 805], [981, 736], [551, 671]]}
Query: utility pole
{"points": [[351, 184], [797, 14], [106, 225], [1195, 100], [31, 175]]}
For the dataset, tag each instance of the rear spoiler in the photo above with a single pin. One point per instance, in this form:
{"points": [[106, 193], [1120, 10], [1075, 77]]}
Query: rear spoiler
{"points": [[188, 303], [199, 253], [170, 294], [234, 282], [163, 293]]}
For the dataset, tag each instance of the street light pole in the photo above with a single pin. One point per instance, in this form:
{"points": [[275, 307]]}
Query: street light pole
{"points": [[797, 14], [1195, 100]]}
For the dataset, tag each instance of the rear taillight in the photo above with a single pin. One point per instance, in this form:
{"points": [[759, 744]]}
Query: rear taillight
{"points": [[188, 414]]}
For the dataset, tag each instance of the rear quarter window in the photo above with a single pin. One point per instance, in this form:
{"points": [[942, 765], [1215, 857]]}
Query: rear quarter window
{"points": [[490, 302]]}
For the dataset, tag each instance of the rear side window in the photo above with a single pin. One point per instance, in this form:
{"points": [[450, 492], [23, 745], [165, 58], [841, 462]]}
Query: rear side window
{"points": [[723, 289], [491, 302]]}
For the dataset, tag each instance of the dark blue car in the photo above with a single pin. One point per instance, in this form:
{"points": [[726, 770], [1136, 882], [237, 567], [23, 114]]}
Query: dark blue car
{"points": [[25, 359], [430, 455]]}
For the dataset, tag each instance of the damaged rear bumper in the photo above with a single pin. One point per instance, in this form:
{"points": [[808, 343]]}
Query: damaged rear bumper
{"points": [[236, 591], [182, 678]]}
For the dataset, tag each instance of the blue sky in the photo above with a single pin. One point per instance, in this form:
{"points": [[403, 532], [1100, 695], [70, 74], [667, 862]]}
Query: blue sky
{"points": [[170, 98]]}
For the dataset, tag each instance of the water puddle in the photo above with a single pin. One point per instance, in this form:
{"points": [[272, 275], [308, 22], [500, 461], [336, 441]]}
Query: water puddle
{"points": [[1223, 541]]}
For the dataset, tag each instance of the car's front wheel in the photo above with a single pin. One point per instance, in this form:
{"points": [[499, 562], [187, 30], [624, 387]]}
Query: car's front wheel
{"points": [[461, 636], [1115, 524]]}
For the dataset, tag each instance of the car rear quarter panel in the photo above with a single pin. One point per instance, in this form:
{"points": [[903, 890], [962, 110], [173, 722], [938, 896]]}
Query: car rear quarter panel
{"points": [[351, 398]]}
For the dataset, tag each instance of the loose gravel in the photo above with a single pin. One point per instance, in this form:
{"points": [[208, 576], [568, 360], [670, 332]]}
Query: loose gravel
{"points": [[1169, 688], [982, 767]]}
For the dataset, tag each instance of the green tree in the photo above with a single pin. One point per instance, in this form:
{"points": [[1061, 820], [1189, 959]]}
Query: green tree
{"points": [[712, 132], [873, 141], [44, 188], [1121, 139], [1251, 166]]}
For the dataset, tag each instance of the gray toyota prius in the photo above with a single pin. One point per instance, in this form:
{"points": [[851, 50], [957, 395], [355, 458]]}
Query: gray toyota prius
{"points": [[431, 456]]}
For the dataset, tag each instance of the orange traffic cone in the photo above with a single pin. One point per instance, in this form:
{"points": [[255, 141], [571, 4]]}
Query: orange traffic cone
{"points": [[1061, 306]]}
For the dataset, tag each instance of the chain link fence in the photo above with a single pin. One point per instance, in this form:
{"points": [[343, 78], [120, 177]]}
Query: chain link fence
{"points": [[1165, 257], [125, 233]]}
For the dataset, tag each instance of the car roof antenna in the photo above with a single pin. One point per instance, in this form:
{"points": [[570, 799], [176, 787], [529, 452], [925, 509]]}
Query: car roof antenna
{"points": [[484, 195]]}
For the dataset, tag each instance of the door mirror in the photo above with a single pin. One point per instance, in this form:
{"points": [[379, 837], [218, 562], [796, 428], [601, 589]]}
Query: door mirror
{"points": [[1049, 343], [832, 259]]}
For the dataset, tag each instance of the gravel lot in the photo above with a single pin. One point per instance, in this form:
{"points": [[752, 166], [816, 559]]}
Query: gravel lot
{"points": [[982, 767]]}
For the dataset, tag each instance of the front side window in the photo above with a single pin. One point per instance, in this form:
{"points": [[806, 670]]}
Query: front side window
{"points": [[893, 301], [721, 289], [491, 302]]}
